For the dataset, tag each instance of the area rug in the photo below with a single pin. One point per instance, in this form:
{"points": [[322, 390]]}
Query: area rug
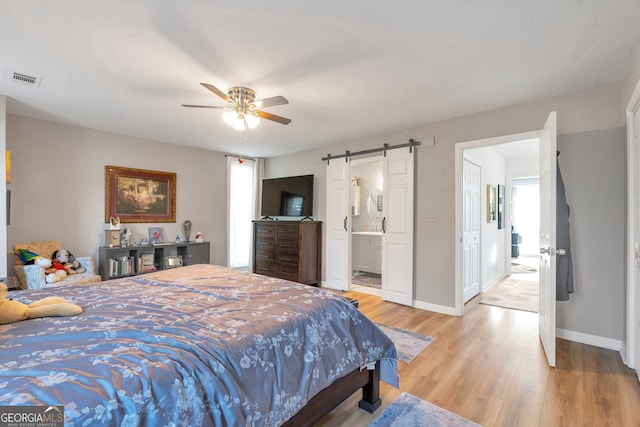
{"points": [[522, 269], [371, 280], [409, 410], [515, 294], [408, 344]]}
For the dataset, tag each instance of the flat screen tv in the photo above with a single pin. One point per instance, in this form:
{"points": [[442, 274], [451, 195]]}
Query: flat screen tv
{"points": [[288, 196]]}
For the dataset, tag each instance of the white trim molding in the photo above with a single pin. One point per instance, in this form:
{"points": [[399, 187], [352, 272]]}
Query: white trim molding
{"points": [[588, 339], [442, 309]]}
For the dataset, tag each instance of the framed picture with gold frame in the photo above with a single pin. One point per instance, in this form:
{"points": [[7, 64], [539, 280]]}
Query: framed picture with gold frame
{"points": [[491, 203], [139, 195]]}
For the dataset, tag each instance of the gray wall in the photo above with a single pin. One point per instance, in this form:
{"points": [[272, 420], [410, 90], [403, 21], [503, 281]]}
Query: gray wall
{"points": [[58, 180], [592, 166], [591, 109]]}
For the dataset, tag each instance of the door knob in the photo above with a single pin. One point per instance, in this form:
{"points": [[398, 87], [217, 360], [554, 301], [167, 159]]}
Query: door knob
{"points": [[561, 252], [545, 251]]}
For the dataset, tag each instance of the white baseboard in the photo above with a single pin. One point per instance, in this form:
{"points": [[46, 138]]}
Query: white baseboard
{"points": [[594, 340], [451, 311], [623, 354]]}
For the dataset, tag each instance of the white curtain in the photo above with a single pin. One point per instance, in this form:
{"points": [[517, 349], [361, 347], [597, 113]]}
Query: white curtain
{"points": [[244, 177]]}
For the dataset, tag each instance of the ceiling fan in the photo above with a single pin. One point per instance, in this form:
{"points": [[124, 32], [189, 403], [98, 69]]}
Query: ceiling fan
{"points": [[245, 110]]}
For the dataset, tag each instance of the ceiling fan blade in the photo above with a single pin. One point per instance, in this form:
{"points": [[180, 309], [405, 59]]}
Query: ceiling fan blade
{"points": [[270, 102], [217, 91], [202, 106], [272, 117]]}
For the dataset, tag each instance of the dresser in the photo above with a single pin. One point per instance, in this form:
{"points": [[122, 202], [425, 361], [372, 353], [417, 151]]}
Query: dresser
{"points": [[289, 250]]}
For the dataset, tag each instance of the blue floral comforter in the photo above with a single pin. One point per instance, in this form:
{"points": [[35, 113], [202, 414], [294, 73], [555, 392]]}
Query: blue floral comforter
{"points": [[194, 346]]}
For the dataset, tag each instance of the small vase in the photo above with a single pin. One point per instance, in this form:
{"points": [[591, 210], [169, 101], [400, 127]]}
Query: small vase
{"points": [[186, 229]]}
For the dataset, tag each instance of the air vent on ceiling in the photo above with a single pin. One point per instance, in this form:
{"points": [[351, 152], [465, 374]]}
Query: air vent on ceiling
{"points": [[24, 78]]}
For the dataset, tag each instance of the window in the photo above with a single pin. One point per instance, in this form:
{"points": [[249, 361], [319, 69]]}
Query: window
{"points": [[241, 202]]}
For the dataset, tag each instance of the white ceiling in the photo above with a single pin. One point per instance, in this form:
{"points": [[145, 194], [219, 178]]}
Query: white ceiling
{"points": [[348, 69]]}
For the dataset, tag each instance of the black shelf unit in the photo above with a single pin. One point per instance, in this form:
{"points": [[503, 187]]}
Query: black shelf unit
{"points": [[129, 259]]}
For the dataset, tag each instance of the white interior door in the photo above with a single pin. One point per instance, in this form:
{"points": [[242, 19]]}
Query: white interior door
{"points": [[470, 230], [397, 237], [338, 241], [548, 166]]}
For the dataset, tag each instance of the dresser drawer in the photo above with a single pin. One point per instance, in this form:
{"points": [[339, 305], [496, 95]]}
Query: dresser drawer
{"points": [[287, 273], [265, 255], [265, 231], [265, 244], [288, 232], [287, 258], [288, 245], [266, 268]]}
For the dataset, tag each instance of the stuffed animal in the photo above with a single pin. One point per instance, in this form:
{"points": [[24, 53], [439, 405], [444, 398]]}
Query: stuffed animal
{"points": [[53, 274], [13, 311], [64, 260]]}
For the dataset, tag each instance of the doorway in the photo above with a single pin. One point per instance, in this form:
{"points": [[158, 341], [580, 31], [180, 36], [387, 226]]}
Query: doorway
{"points": [[520, 288], [507, 162], [366, 225], [396, 224]]}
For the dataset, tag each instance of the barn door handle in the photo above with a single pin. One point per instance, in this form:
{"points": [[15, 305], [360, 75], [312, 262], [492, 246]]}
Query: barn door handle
{"points": [[345, 224], [384, 224]]}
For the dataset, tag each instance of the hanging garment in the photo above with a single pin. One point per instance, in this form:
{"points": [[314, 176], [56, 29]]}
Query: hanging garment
{"points": [[564, 264]]}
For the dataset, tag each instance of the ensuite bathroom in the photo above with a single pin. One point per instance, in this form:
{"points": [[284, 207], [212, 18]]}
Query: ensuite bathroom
{"points": [[366, 225]]}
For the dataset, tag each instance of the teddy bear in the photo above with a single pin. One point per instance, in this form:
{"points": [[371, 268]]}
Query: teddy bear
{"points": [[63, 260], [13, 311]]}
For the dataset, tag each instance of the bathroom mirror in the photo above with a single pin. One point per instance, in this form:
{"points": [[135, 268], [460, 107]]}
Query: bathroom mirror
{"points": [[374, 204]]}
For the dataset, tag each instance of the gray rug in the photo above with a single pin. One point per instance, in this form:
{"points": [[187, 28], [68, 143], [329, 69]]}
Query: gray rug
{"points": [[408, 344], [515, 294], [363, 278], [409, 410], [522, 269]]}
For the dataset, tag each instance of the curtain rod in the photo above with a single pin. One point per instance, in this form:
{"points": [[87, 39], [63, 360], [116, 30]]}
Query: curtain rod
{"points": [[240, 157], [412, 143]]}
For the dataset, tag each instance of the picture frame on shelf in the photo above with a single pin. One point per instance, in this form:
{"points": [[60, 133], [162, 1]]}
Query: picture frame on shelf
{"points": [[139, 195], [156, 235]]}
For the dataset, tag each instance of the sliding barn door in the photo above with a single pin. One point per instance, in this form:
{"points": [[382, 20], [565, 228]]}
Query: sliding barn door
{"points": [[548, 170], [338, 242], [397, 237]]}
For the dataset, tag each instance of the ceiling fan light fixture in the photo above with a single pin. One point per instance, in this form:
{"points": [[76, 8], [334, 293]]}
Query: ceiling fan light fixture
{"points": [[245, 111], [252, 121], [238, 124], [230, 117]]}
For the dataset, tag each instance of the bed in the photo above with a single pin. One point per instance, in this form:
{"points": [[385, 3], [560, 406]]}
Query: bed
{"points": [[198, 345]]}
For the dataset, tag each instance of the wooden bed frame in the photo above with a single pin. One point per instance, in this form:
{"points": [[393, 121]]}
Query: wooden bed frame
{"points": [[329, 398]]}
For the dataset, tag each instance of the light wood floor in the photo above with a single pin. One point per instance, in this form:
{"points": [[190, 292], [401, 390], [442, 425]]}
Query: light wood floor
{"points": [[489, 367]]}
